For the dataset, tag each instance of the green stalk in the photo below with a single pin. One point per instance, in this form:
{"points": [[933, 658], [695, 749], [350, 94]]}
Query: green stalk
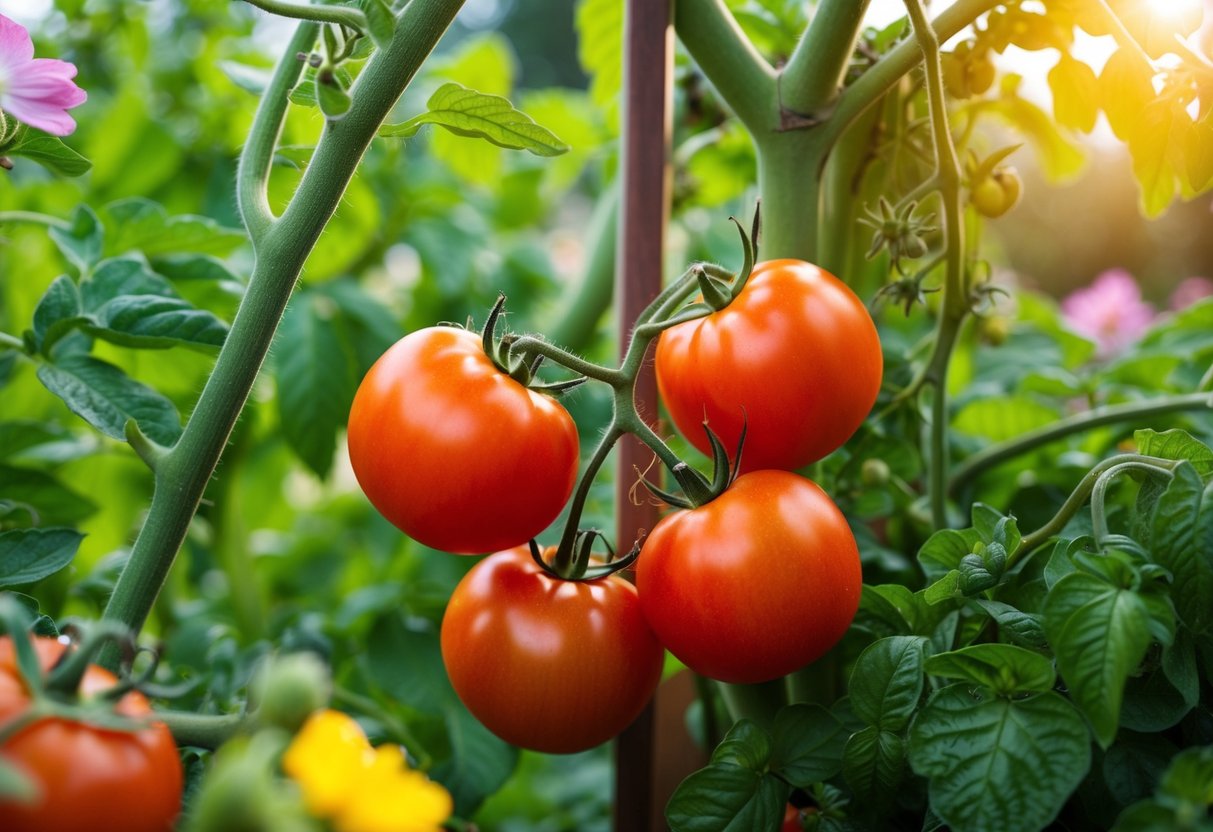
{"points": [[814, 74], [1115, 414], [348, 16], [283, 247], [789, 179]]}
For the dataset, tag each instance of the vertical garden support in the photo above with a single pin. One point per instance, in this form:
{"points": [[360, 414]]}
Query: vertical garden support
{"points": [[641, 786]]}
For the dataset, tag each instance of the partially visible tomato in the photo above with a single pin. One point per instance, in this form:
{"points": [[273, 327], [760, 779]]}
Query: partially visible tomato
{"points": [[997, 193], [92, 779], [795, 355], [456, 453], [551, 665], [755, 584], [791, 820]]}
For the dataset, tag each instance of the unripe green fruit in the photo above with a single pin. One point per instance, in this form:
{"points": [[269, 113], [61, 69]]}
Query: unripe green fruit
{"points": [[289, 688]]}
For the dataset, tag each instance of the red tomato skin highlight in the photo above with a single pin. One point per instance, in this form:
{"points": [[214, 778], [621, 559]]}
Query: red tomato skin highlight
{"points": [[93, 779], [456, 454], [545, 664], [754, 585], [795, 356]]}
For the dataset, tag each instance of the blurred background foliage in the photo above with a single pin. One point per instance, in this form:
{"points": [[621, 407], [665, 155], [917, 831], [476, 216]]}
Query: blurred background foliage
{"points": [[285, 550]]}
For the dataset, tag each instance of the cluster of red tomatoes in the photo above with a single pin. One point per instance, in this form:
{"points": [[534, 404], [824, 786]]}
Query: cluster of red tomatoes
{"points": [[747, 587]]}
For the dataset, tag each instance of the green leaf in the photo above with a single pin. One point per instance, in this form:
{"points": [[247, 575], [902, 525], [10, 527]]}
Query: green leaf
{"points": [[29, 555], [1126, 88], [106, 398], [807, 744], [946, 588], [1174, 544], [139, 224], [998, 763], [887, 682], [1176, 444], [479, 764], [1190, 777], [723, 798], [334, 101], [1024, 628], [1135, 763], [50, 152], [746, 746], [873, 765], [467, 112], [81, 241], [315, 373], [380, 21], [1003, 668], [600, 48], [53, 502], [59, 311], [21, 435], [944, 550], [1099, 634]]}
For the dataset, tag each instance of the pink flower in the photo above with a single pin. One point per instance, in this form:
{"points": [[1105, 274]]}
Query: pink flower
{"points": [[1110, 311], [1189, 291], [37, 91]]}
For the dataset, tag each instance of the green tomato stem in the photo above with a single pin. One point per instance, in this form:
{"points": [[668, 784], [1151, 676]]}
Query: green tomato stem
{"points": [[1099, 520], [814, 73], [204, 730], [1078, 497], [282, 249], [347, 16], [563, 563], [33, 218], [994, 455], [11, 342]]}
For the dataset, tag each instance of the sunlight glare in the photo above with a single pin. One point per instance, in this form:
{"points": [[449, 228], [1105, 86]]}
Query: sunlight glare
{"points": [[1172, 9]]}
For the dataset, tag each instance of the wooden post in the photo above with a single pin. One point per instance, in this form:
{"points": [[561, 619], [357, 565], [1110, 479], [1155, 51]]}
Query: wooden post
{"points": [[654, 754]]}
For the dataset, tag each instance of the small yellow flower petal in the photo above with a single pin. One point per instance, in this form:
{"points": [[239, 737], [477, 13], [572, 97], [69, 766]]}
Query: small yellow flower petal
{"points": [[328, 758], [392, 798]]}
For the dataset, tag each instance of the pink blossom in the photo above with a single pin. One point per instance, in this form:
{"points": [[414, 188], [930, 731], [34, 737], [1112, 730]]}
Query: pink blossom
{"points": [[37, 91], [1110, 311], [1189, 291]]}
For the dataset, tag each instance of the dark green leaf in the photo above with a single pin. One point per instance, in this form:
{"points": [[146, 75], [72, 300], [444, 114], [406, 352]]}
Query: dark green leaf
{"points": [[943, 551], [873, 765], [315, 373], [475, 114], [807, 744], [1190, 777], [407, 664], [479, 764], [53, 502], [81, 242], [333, 99], [21, 435], [997, 763], [139, 224], [50, 152], [1003, 668], [723, 798], [1173, 543], [1027, 629], [1135, 763], [106, 398], [58, 312], [29, 555], [154, 322], [1099, 634], [745, 746], [888, 681]]}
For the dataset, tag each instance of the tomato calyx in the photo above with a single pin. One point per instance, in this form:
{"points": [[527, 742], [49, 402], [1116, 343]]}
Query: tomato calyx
{"points": [[698, 490], [55, 693], [522, 370], [572, 559]]}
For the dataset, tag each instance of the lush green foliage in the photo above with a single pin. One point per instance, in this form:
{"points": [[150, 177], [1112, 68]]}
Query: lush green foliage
{"points": [[1017, 659]]}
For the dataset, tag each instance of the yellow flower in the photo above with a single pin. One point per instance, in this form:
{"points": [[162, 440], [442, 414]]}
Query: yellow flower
{"points": [[357, 787]]}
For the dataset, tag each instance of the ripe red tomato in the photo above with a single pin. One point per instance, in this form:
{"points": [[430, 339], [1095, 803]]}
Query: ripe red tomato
{"points": [[796, 349], [755, 584], [791, 820], [456, 453], [551, 665], [92, 779]]}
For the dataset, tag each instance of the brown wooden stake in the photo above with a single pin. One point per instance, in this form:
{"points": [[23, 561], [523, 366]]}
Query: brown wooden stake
{"points": [[655, 753]]}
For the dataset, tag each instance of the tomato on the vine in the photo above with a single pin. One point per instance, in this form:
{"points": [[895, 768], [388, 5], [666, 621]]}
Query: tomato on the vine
{"points": [[795, 356], [997, 193], [453, 451], [755, 584], [547, 664], [91, 779]]}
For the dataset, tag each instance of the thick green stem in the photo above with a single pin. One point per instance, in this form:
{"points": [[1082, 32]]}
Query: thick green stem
{"points": [[1115, 414], [183, 474], [743, 78], [840, 186], [1099, 517], [253, 172], [815, 72], [320, 13], [789, 176], [203, 730]]}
